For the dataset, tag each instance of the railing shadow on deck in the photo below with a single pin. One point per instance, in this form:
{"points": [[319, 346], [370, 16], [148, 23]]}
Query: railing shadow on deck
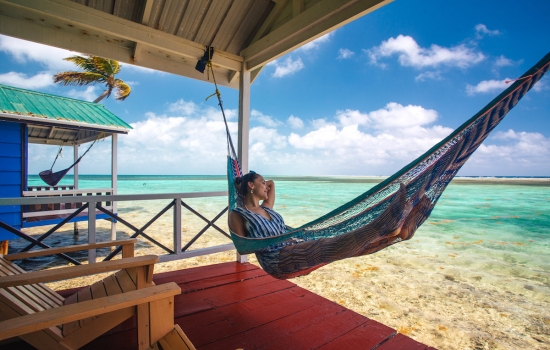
{"points": [[179, 249]]}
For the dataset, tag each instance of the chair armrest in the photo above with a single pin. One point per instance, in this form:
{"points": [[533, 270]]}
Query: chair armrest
{"points": [[52, 317], [76, 271], [70, 248]]}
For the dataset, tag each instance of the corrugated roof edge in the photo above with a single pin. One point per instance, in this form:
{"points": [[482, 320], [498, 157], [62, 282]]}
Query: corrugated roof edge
{"points": [[91, 104]]}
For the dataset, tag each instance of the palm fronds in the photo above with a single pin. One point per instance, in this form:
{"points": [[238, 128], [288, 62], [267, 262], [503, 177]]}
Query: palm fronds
{"points": [[96, 70]]}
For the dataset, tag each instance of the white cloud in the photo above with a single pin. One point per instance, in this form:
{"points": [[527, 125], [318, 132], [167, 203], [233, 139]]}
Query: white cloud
{"points": [[432, 75], [287, 67], [90, 94], [269, 136], [352, 117], [26, 51], [519, 153], [171, 144], [412, 55], [317, 42], [542, 84], [487, 86], [295, 122], [378, 142], [21, 80], [345, 53], [392, 116], [388, 137], [503, 62], [264, 119], [184, 107], [481, 31]]}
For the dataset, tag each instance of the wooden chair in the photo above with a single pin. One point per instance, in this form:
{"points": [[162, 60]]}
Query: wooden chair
{"points": [[42, 318], [174, 340]]}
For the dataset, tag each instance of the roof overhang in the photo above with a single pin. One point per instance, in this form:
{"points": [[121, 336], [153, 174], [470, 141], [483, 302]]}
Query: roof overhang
{"points": [[57, 132], [157, 33]]}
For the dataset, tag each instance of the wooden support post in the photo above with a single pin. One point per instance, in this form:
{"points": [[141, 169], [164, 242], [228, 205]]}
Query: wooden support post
{"points": [[143, 312], [177, 225], [244, 127], [114, 179], [4, 247], [75, 168], [91, 230], [75, 181]]}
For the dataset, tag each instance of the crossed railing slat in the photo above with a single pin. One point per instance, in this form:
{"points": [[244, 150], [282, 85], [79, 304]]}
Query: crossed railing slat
{"points": [[138, 232]]}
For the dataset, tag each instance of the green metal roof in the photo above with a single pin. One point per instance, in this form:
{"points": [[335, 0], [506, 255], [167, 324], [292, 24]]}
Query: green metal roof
{"points": [[51, 107]]}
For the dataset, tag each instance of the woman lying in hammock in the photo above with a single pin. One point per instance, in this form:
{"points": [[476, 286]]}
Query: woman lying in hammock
{"points": [[253, 219]]}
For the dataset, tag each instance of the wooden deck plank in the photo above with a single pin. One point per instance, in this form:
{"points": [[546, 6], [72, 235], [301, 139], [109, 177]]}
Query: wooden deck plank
{"points": [[222, 322], [218, 281], [199, 273], [366, 336], [402, 342], [232, 306], [307, 329], [227, 294]]}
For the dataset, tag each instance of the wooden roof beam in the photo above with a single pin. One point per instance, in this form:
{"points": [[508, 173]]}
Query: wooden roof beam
{"points": [[323, 17], [144, 21], [72, 26]]}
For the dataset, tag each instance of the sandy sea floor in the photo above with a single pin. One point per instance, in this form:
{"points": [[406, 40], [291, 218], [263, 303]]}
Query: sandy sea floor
{"points": [[447, 287], [440, 299]]}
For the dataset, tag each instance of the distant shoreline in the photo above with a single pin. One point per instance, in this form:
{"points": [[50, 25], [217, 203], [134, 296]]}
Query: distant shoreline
{"points": [[485, 180]]}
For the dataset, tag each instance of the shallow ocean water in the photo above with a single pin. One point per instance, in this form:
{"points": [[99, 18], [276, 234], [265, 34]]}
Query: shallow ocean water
{"points": [[476, 275]]}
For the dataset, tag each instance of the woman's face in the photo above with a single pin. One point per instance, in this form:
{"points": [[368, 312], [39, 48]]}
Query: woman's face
{"points": [[259, 187]]}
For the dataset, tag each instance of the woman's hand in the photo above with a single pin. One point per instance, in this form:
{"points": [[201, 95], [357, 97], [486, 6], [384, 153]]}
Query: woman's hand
{"points": [[270, 201]]}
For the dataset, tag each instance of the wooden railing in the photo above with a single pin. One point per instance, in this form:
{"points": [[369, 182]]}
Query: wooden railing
{"points": [[179, 250], [38, 212]]}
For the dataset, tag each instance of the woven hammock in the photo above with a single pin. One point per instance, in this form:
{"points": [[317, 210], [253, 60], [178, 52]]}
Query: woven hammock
{"points": [[51, 178], [402, 202]]}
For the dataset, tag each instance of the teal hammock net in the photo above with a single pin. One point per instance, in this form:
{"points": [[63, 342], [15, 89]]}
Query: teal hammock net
{"points": [[400, 203]]}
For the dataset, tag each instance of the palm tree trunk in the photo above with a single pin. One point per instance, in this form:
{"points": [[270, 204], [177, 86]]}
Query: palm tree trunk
{"points": [[102, 96]]}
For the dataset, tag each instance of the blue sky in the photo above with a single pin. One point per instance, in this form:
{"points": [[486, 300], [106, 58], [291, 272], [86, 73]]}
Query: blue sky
{"points": [[365, 99]]}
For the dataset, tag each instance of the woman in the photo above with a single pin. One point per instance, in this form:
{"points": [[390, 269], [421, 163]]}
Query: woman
{"points": [[250, 218]]}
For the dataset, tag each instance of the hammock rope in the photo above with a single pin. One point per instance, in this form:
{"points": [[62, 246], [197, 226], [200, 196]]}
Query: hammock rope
{"points": [[51, 178], [399, 204]]}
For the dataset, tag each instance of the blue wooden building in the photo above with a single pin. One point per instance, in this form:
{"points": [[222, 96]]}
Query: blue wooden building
{"points": [[34, 117]]}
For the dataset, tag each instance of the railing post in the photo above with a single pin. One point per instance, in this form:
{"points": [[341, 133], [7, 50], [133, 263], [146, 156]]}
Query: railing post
{"points": [[91, 230], [114, 175], [177, 225], [75, 181]]}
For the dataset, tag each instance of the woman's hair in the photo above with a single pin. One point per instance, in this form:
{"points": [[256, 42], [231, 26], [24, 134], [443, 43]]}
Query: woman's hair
{"points": [[241, 183]]}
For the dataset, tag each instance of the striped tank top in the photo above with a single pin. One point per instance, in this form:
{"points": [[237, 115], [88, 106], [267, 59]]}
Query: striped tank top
{"points": [[258, 226]]}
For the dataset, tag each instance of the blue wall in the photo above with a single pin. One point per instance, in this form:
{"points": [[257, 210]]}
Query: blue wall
{"points": [[12, 172]]}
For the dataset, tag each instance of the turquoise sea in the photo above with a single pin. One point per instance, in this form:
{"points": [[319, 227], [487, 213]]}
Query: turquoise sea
{"points": [[504, 216], [476, 275]]}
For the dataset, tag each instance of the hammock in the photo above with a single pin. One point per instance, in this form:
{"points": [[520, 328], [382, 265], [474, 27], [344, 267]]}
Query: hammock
{"points": [[402, 202], [51, 178]]}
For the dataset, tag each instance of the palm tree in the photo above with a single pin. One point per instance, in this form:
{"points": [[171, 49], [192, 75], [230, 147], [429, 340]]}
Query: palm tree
{"points": [[97, 70]]}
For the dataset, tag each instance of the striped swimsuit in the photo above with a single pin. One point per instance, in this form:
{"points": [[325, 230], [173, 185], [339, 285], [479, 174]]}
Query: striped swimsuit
{"points": [[258, 226]]}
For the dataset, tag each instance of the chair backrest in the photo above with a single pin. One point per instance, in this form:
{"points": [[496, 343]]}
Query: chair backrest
{"points": [[28, 299]]}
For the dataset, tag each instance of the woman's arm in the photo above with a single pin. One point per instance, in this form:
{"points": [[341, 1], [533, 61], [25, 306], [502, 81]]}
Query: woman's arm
{"points": [[270, 201], [236, 224]]}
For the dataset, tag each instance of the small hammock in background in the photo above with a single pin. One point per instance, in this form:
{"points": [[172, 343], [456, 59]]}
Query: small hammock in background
{"points": [[400, 204], [51, 178]]}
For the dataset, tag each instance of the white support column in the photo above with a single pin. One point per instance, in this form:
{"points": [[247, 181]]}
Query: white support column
{"points": [[244, 127], [114, 175], [75, 168], [75, 182], [91, 231], [177, 226]]}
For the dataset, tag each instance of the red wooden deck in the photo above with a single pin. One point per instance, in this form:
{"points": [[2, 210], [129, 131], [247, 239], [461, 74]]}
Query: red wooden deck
{"points": [[238, 306]]}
